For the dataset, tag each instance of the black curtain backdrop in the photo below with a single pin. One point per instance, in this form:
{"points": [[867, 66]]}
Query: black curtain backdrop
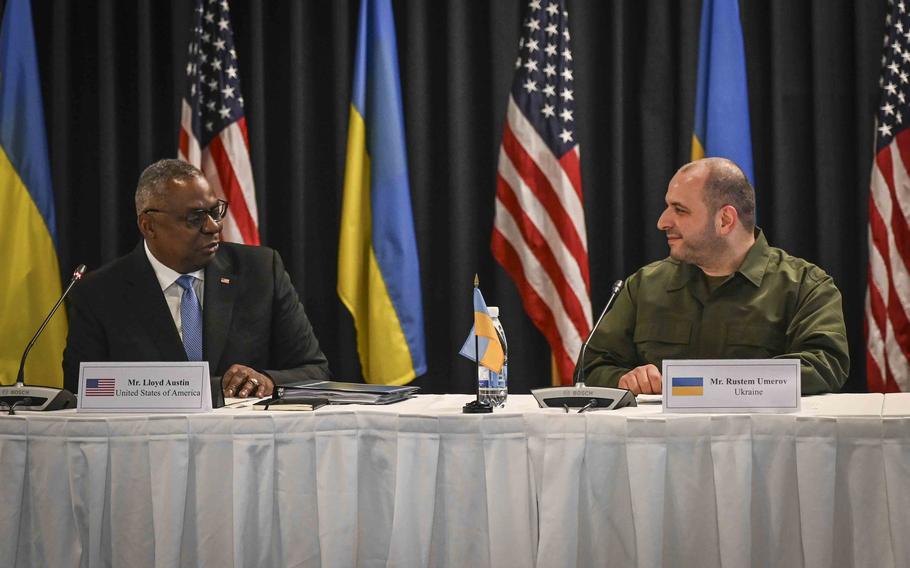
{"points": [[112, 77]]}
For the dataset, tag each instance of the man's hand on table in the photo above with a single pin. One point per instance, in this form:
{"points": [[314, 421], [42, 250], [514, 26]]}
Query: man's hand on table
{"points": [[241, 381], [642, 380]]}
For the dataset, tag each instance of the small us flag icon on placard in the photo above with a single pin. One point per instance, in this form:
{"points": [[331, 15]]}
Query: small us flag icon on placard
{"points": [[100, 387]]}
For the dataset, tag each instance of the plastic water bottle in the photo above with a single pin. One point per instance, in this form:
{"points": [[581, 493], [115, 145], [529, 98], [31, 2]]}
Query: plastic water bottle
{"points": [[493, 387]]}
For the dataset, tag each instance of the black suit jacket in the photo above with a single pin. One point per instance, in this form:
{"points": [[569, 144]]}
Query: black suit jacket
{"points": [[251, 316]]}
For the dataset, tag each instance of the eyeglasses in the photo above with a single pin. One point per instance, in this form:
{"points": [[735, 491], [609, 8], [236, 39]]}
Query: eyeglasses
{"points": [[195, 219]]}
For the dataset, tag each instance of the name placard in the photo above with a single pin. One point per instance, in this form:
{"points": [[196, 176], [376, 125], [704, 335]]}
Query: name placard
{"points": [[144, 387], [731, 385]]}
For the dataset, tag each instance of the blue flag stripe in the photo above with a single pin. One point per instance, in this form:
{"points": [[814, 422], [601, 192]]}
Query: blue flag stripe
{"points": [[22, 132], [688, 381], [722, 123], [377, 97]]}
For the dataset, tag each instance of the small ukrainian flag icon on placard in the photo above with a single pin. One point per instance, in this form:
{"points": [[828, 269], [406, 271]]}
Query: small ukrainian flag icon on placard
{"points": [[688, 386]]}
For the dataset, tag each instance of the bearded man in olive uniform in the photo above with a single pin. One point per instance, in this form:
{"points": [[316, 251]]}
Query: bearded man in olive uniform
{"points": [[723, 293]]}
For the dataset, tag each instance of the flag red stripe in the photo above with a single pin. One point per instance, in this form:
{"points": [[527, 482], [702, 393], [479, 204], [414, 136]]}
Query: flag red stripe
{"points": [[878, 309], [899, 322], [879, 230], [241, 124], [534, 305], [873, 373], [231, 188], [538, 183], [898, 223], [184, 143], [572, 166], [535, 242], [902, 141], [879, 235]]}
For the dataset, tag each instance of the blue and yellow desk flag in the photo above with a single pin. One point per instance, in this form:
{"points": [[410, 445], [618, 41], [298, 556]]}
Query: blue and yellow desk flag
{"points": [[688, 386], [487, 343], [30, 278], [722, 127], [378, 268]]}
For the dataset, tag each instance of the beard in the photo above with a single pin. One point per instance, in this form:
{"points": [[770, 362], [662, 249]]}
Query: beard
{"points": [[702, 249]]}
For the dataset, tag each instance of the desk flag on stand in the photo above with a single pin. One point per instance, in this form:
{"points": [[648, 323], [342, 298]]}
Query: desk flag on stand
{"points": [[30, 278], [722, 127], [483, 338], [378, 269], [539, 233], [213, 134], [887, 323]]}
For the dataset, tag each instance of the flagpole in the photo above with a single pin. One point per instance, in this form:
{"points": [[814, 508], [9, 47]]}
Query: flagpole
{"points": [[477, 406]]}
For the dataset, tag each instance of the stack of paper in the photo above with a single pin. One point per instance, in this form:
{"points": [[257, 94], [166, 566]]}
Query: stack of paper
{"points": [[350, 393]]}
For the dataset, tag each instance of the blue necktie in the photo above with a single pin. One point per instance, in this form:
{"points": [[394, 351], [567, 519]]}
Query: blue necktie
{"points": [[190, 319]]}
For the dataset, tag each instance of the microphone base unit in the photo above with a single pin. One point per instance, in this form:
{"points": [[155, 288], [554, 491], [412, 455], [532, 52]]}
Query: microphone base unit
{"points": [[31, 398], [579, 396]]}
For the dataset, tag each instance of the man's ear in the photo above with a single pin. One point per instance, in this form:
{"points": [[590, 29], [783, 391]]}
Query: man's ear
{"points": [[146, 226], [727, 219]]}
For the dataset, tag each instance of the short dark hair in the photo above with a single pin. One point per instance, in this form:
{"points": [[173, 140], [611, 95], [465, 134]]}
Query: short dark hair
{"points": [[154, 179], [728, 185]]}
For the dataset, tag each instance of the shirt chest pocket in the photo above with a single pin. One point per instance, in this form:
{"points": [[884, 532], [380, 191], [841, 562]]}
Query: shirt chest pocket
{"points": [[750, 341], [668, 339]]}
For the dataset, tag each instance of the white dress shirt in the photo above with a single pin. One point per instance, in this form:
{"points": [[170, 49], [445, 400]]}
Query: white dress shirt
{"points": [[173, 293]]}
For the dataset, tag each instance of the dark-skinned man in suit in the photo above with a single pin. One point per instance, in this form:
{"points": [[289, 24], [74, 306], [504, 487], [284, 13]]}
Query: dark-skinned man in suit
{"points": [[183, 294]]}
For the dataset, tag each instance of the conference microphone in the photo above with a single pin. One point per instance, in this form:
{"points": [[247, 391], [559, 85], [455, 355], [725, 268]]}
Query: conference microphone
{"points": [[579, 367], [582, 396], [26, 397]]}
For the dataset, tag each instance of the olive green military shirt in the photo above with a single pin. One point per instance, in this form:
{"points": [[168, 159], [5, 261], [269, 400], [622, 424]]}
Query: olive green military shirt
{"points": [[774, 306]]}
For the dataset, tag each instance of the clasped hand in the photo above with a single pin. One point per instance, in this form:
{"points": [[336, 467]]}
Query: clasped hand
{"points": [[241, 381]]}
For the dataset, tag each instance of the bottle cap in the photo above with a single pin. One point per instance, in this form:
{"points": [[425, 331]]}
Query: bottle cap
{"points": [[493, 311]]}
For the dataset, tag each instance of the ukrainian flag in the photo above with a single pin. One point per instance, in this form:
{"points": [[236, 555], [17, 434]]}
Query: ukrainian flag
{"points": [[688, 386], [378, 269], [30, 277], [722, 126], [487, 342]]}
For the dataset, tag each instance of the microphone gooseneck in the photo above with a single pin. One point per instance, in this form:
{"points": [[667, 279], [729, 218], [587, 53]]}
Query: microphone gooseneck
{"points": [[578, 379], [581, 396], [77, 275]]}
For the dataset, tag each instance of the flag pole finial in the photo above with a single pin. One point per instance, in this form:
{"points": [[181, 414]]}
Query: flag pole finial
{"points": [[476, 281]]}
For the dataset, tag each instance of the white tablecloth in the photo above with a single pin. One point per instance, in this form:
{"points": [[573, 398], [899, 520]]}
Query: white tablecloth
{"points": [[419, 483]]}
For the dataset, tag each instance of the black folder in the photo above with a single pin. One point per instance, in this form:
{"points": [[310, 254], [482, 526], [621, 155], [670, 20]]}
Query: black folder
{"points": [[350, 393]]}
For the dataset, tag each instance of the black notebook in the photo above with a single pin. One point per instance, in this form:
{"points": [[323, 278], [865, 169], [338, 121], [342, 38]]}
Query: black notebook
{"points": [[349, 393]]}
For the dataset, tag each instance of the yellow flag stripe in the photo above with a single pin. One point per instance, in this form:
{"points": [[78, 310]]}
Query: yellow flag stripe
{"points": [[493, 357], [688, 391], [381, 345], [29, 285]]}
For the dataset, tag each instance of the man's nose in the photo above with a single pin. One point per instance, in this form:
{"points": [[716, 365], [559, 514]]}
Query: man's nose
{"points": [[663, 222], [211, 226]]}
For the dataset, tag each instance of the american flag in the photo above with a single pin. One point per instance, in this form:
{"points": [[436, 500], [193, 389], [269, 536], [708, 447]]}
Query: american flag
{"points": [[213, 134], [887, 324], [100, 387], [539, 235]]}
